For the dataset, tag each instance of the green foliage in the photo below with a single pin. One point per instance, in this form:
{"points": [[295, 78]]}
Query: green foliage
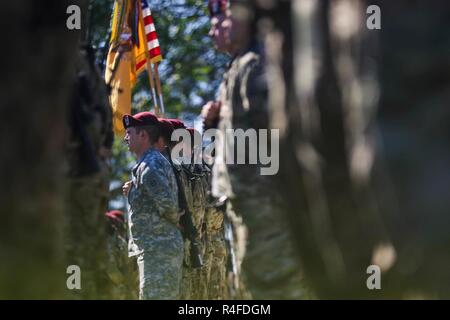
{"points": [[190, 69], [190, 72]]}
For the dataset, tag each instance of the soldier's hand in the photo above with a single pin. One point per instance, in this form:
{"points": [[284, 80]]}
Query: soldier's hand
{"points": [[126, 188], [210, 112]]}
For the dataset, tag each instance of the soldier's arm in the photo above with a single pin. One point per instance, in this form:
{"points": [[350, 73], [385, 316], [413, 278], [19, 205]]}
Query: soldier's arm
{"points": [[156, 181]]}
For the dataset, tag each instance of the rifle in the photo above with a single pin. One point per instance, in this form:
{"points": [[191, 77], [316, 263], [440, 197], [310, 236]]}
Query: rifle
{"points": [[189, 230]]}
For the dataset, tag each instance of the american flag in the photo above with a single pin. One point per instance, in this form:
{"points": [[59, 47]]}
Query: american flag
{"points": [[150, 33]]}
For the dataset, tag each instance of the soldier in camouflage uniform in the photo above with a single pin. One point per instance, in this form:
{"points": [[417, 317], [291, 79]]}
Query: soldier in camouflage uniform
{"points": [[164, 145], [216, 251], [192, 282], [188, 290], [270, 264], [208, 282], [154, 216], [195, 174], [213, 277]]}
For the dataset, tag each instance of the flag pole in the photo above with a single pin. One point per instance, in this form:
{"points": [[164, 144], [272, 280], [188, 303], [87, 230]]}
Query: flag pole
{"points": [[147, 56], [158, 87]]}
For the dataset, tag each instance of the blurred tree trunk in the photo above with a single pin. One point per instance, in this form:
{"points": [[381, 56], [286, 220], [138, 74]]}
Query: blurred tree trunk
{"points": [[364, 177], [39, 58], [414, 122]]}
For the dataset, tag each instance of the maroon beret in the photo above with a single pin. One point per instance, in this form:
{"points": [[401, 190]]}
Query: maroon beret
{"points": [[140, 119], [166, 128], [191, 132], [217, 6], [115, 215], [177, 124]]}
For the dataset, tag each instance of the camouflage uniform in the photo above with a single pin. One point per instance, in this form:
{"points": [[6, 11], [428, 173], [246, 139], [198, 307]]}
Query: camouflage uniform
{"points": [[270, 265], [154, 236], [194, 283], [199, 278], [216, 255], [209, 281], [188, 272]]}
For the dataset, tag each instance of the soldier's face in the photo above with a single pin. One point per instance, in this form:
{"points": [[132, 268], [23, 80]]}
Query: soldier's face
{"points": [[220, 32], [133, 140]]}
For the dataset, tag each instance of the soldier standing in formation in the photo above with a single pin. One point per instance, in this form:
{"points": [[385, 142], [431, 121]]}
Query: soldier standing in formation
{"points": [[154, 216], [204, 268], [186, 206], [270, 264], [205, 260]]}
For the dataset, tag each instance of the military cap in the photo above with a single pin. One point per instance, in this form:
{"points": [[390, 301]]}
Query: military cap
{"points": [[191, 132], [166, 128], [140, 119], [177, 124], [115, 216], [217, 6]]}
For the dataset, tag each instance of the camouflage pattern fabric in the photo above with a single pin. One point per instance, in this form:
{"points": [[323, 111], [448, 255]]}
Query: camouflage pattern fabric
{"points": [[154, 236], [216, 255], [270, 265], [188, 289], [160, 270], [198, 276], [212, 280], [194, 285], [225, 248]]}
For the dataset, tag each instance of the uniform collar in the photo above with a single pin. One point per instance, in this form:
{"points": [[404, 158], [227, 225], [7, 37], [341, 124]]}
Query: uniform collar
{"points": [[150, 150]]}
